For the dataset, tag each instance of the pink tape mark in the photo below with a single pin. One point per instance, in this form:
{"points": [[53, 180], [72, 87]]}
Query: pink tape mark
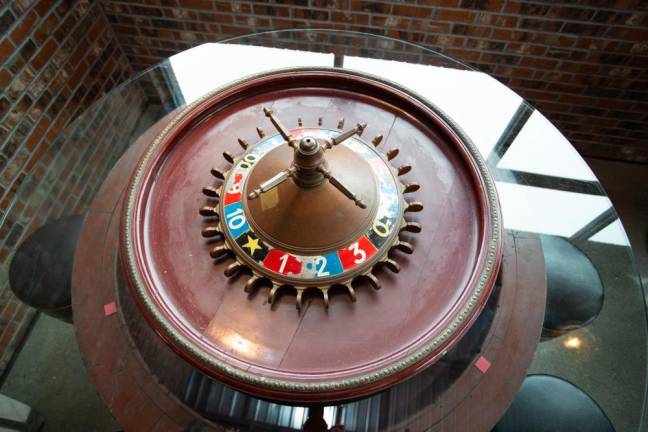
{"points": [[110, 308], [482, 364]]}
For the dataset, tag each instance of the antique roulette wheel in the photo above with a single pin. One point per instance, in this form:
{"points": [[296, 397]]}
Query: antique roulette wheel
{"points": [[341, 193]]}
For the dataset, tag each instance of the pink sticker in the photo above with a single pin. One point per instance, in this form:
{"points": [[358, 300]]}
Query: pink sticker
{"points": [[482, 364], [110, 308]]}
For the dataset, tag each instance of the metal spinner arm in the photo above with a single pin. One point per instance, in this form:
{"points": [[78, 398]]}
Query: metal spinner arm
{"points": [[309, 166]]}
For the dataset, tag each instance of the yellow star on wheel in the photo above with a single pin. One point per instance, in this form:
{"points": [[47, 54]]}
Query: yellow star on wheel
{"points": [[252, 244]]}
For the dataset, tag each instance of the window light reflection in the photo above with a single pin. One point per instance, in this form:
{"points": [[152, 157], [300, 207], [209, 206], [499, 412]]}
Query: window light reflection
{"points": [[209, 66], [612, 234], [548, 211], [540, 148], [238, 343], [480, 104]]}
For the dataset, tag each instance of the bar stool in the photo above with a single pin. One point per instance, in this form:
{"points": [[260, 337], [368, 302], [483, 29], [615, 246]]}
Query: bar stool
{"points": [[574, 288], [546, 403], [40, 270]]}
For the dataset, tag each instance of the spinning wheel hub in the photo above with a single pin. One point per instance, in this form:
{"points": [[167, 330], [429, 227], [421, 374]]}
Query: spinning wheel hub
{"points": [[310, 208], [308, 146], [314, 219]]}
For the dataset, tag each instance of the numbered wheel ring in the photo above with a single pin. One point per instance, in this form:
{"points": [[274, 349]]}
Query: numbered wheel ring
{"points": [[347, 351], [336, 263]]}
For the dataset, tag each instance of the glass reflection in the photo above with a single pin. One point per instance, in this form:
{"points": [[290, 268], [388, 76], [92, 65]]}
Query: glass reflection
{"points": [[613, 234], [476, 101], [560, 196], [209, 66], [535, 148], [547, 211]]}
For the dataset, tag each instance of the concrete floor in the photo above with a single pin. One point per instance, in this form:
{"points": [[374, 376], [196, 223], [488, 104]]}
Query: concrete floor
{"points": [[49, 374]]}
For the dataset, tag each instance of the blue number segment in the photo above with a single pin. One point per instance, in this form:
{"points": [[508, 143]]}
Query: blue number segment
{"points": [[330, 267], [267, 145], [235, 220], [320, 266]]}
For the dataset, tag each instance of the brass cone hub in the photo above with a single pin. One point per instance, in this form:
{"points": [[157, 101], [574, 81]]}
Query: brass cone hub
{"points": [[314, 220]]}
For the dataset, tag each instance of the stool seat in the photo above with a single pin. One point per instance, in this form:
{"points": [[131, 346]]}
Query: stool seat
{"points": [[574, 288], [549, 404], [41, 269]]}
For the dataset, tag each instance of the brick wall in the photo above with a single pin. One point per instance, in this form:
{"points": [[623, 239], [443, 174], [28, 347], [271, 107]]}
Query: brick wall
{"points": [[583, 64], [56, 59]]}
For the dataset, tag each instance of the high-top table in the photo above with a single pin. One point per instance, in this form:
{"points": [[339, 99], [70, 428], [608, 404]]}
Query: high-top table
{"points": [[549, 199]]}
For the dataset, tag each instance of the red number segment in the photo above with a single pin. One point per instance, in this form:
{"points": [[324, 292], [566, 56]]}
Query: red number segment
{"points": [[357, 253], [234, 193], [281, 262], [302, 132]]}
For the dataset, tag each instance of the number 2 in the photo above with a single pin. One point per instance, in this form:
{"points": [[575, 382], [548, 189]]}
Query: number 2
{"points": [[322, 262]]}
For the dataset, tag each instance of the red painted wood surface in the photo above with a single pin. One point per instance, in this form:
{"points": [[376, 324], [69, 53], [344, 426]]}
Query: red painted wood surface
{"points": [[141, 379], [349, 340]]}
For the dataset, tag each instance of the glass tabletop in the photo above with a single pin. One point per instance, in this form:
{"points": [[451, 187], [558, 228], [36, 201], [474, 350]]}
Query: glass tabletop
{"points": [[544, 186]]}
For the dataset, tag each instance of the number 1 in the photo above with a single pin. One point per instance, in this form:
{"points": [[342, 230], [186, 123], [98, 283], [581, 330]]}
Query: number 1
{"points": [[284, 260]]}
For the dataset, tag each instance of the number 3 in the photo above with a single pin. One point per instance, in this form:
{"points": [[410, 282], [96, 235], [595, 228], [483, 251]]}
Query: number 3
{"points": [[358, 253]]}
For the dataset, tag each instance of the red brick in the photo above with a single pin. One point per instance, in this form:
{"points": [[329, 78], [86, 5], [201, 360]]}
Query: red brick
{"points": [[44, 54], [512, 7], [6, 49], [464, 55], [45, 29], [23, 28], [77, 55], [459, 16], [97, 28], [5, 77], [440, 3], [430, 26], [38, 132], [196, 4], [412, 11], [390, 21], [633, 34], [42, 7], [543, 63], [505, 21], [526, 48]]}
